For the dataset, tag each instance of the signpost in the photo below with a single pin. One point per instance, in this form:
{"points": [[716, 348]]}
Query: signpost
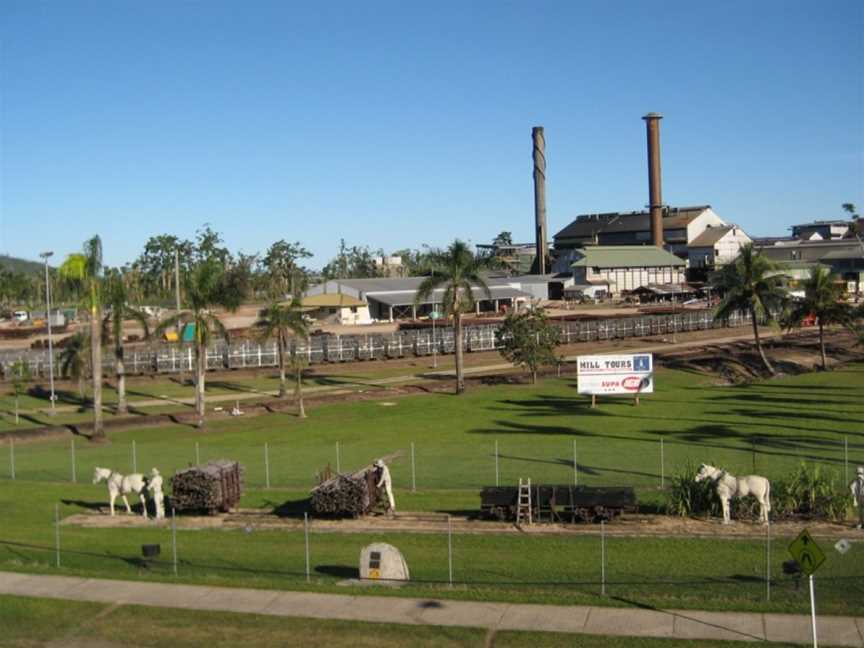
{"points": [[809, 557], [616, 374]]}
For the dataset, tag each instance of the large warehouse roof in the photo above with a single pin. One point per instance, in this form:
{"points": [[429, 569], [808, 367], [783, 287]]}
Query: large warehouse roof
{"points": [[626, 256]]}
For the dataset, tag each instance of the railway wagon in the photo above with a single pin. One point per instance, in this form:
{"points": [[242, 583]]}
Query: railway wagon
{"points": [[560, 503]]}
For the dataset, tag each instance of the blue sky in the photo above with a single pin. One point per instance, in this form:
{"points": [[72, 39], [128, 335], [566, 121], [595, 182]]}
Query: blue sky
{"points": [[398, 124]]}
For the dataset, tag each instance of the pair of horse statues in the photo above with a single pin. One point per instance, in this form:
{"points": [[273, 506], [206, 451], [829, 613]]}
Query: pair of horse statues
{"points": [[729, 486], [123, 485]]}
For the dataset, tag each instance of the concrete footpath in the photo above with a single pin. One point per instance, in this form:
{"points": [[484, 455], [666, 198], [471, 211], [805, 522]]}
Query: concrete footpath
{"points": [[635, 622]]}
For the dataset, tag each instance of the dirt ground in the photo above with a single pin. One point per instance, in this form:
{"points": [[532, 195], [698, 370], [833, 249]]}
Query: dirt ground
{"points": [[628, 525]]}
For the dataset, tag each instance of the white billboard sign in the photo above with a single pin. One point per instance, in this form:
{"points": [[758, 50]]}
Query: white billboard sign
{"points": [[616, 374]]}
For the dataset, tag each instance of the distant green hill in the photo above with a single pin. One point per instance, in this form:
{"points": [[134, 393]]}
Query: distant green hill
{"points": [[20, 265]]}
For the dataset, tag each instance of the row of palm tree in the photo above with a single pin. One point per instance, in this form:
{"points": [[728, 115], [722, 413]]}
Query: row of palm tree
{"points": [[207, 286], [752, 284], [756, 285]]}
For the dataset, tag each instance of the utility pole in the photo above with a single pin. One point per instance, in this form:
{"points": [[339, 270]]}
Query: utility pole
{"points": [[46, 256], [177, 279]]}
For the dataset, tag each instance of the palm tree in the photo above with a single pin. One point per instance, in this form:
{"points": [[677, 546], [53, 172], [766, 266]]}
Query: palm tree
{"points": [[281, 320], [208, 284], [84, 271], [117, 300], [73, 360], [754, 284], [458, 270], [823, 297]]}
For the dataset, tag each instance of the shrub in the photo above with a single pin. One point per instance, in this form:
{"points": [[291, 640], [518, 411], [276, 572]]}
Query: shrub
{"points": [[687, 497], [810, 493]]}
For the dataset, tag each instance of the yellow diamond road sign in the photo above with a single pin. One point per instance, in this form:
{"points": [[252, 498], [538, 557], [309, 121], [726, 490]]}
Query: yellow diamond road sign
{"points": [[807, 553]]}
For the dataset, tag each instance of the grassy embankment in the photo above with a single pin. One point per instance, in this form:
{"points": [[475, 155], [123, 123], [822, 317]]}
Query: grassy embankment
{"points": [[775, 424]]}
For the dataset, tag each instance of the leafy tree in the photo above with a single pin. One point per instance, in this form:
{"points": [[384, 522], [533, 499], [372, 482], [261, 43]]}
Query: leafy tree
{"points": [[73, 360], [504, 238], [208, 285], [156, 263], [528, 340], [20, 372], [823, 297], [281, 265], [752, 284], [209, 247], [352, 263], [116, 299], [84, 271], [281, 321], [457, 270]]}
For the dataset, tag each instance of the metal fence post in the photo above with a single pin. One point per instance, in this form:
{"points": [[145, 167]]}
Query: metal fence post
{"points": [[266, 465], [134, 458], [12, 456], [413, 471], [306, 536], [338, 459], [57, 532], [846, 458], [603, 557], [768, 561], [450, 550], [174, 539], [497, 477], [575, 466], [197, 454], [74, 468]]}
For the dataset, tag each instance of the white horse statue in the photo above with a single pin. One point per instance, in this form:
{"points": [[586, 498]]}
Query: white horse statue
{"points": [[122, 485], [729, 486]]}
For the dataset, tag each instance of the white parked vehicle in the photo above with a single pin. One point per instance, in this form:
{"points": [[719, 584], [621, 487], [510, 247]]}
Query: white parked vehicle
{"points": [[21, 316]]}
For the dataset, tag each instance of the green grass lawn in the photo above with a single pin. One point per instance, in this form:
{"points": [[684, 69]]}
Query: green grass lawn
{"points": [[764, 427], [30, 622], [33, 409], [770, 426]]}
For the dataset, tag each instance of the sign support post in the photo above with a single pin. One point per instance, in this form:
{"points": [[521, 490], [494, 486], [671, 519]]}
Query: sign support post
{"points": [[813, 612]]}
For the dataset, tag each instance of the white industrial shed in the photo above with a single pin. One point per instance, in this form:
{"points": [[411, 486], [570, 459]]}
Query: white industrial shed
{"points": [[394, 298]]}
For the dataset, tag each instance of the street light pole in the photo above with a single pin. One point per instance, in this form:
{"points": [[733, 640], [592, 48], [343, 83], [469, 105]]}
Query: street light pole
{"points": [[434, 350], [46, 256]]}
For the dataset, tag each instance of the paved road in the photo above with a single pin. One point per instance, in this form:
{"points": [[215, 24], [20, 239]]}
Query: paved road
{"points": [[409, 378], [681, 624]]}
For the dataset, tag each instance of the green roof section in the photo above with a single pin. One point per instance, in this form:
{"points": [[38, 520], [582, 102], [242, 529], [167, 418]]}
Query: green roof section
{"points": [[626, 256]]}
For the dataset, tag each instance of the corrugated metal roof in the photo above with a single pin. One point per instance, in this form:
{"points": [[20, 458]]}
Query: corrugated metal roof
{"points": [[331, 300], [710, 236], [407, 298], [626, 256], [586, 225]]}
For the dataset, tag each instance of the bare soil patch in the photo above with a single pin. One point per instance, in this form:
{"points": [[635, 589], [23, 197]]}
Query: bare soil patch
{"points": [[633, 525]]}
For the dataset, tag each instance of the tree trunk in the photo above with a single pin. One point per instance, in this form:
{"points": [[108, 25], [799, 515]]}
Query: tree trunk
{"points": [[759, 343], [283, 390], [200, 370], [96, 361], [298, 392], [533, 376], [822, 346], [457, 339], [120, 370]]}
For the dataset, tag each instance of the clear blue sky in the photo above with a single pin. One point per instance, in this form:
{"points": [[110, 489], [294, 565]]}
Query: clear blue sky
{"points": [[403, 123]]}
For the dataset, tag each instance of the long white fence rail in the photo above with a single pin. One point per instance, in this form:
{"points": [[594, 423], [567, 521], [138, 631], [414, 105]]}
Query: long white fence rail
{"points": [[164, 358]]}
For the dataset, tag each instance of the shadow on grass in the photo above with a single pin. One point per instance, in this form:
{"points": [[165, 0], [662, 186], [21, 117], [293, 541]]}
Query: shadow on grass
{"points": [[338, 571]]}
